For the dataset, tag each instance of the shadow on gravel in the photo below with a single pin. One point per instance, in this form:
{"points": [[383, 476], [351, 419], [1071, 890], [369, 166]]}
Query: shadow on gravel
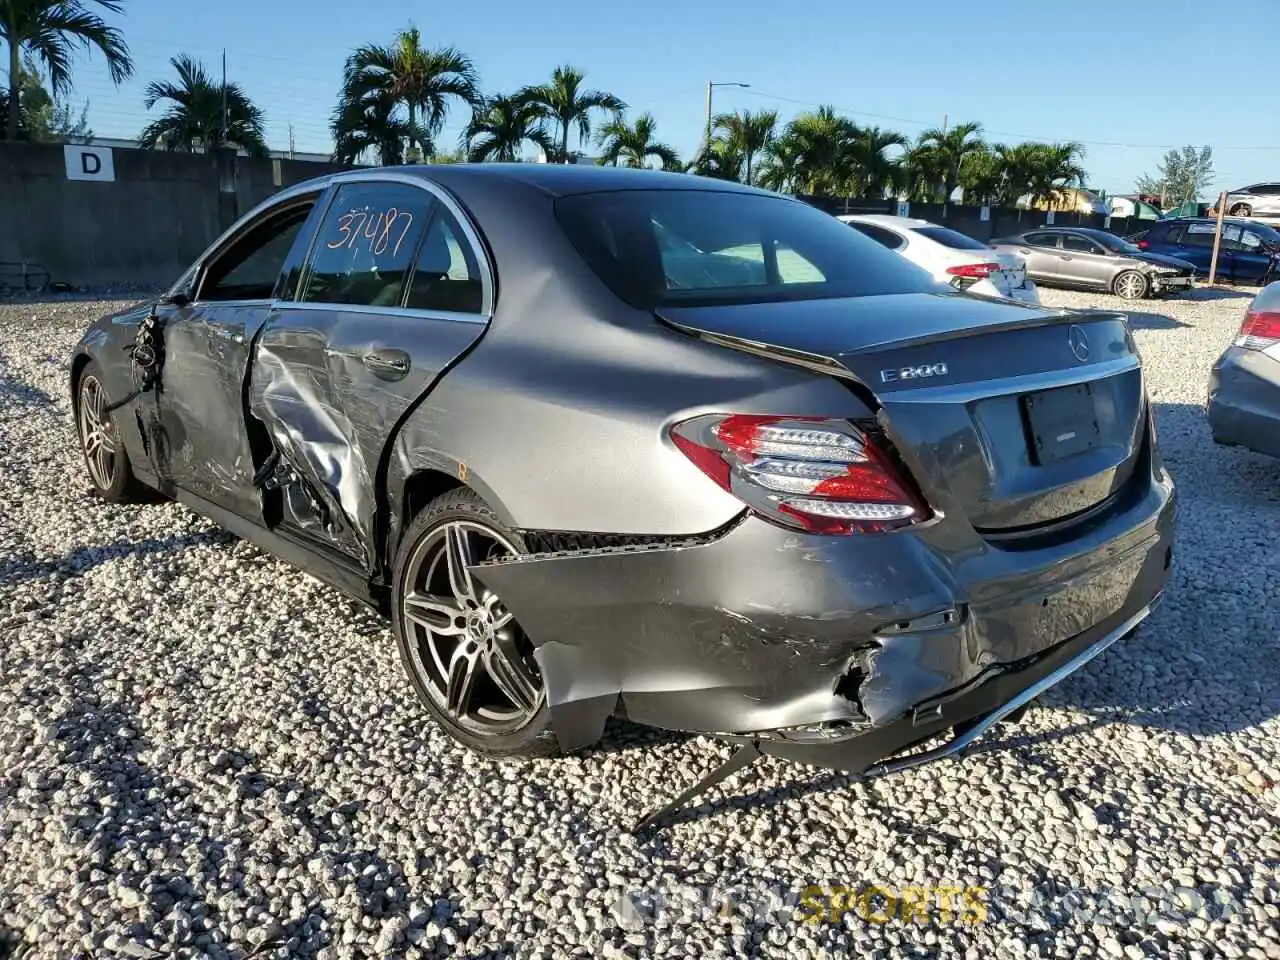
{"points": [[18, 393], [1216, 293], [20, 569], [1153, 321]]}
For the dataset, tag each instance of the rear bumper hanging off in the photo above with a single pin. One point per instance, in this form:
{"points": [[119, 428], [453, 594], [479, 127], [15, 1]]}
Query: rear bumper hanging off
{"points": [[969, 716]]}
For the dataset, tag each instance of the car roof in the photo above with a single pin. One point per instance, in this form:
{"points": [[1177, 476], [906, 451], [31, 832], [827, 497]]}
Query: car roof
{"points": [[557, 180], [885, 219]]}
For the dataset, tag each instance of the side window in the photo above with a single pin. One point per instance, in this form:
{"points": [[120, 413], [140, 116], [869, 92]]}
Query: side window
{"points": [[366, 244], [793, 268], [886, 238], [249, 267], [1199, 235], [1231, 239], [447, 275], [1042, 239], [1079, 244], [1250, 241]]}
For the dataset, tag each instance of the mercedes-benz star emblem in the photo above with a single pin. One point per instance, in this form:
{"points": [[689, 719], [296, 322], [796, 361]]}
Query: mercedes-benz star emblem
{"points": [[1079, 341]]}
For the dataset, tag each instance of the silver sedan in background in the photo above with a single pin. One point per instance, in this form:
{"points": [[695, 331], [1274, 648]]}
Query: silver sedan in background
{"points": [[1096, 260], [1244, 387]]}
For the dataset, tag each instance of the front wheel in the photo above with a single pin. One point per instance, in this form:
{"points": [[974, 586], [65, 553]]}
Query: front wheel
{"points": [[1130, 285], [1241, 210], [467, 657], [105, 458]]}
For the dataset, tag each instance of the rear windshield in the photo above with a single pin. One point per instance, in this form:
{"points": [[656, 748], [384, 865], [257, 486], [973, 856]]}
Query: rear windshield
{"points": [[950, 238], [696, 248]]}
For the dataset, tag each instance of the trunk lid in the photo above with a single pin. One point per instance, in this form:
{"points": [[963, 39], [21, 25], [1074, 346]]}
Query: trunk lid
{"points": [[1015, 416]]}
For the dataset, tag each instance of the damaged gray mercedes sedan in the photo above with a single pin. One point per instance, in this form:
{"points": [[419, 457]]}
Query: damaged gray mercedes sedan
{"points": [[611, 442]]}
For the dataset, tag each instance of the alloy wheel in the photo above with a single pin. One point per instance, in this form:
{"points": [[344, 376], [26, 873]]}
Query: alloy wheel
{"points": [[97, 435], [1131, 286], [467, 648]]}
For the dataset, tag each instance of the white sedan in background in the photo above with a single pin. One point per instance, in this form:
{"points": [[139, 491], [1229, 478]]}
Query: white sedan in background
{"points": [[951, 257]]}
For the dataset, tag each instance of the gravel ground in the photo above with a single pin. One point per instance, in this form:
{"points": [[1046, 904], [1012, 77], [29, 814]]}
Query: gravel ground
{"points": [[205, 752]]}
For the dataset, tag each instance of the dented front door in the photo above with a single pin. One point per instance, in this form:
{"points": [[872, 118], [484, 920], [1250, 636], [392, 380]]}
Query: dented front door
{"points": [[396, 288], [201, 440]]}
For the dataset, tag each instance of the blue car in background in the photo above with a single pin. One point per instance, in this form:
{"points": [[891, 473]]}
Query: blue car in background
{"points": [[1249, 252]]}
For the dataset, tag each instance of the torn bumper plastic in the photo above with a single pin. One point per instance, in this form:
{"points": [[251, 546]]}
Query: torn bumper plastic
{"points": [[800, 640], [1244, 401]]}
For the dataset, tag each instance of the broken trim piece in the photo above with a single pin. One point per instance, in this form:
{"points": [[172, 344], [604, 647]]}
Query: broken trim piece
{"points": [[748, 752]]}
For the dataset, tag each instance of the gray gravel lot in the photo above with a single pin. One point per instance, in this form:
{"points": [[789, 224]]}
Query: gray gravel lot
{"points": [[205, 752]]}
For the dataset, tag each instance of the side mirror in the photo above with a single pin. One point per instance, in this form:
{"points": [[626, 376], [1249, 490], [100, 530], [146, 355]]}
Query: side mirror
{"points": [[178, 299]]}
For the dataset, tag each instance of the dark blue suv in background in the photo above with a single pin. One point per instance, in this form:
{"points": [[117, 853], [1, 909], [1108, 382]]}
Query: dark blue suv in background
{"points": [[1249, 253]]}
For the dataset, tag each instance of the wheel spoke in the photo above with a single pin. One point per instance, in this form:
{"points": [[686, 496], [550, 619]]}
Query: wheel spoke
{"points": [[462, 681], [458, 560], [103, 459], [512, 678], [434, 614]]}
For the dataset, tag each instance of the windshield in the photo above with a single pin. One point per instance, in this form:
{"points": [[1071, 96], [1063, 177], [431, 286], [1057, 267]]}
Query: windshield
{"points": [[696, 247], [950, 238]]}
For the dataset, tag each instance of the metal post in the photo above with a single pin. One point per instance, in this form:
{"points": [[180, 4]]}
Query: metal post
{"points": [[709, 86], [224, 96], [1217, 237]]}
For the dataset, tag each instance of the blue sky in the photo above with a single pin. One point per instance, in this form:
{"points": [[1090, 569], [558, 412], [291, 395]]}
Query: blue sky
{"points": [[1127, 77]]}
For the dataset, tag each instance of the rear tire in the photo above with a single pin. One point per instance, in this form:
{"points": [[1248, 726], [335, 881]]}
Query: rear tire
{"points": [[1130, 285], [469, 661], [1241, 210], [105, 458]]}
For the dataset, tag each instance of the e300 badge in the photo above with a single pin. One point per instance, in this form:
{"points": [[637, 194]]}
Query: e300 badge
{"points": [[922, 372]]}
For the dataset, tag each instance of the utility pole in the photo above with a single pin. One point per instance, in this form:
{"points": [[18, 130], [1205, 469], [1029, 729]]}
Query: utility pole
{"points": [[1217, 237], [291, 141], [711, 84], [944, 124], [708, 130], [224, 97]]}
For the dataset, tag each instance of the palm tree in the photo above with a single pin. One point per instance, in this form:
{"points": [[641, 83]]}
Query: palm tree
{"points": [[500, 126], [49, 31], [822, 142], [869, 170], [982, 174], [367, 126], [380, 80], [945, 151], [747, 134], [781, 168], [1056, 165], [634, 143], [566, 104], [195, 119], [718, 161]]}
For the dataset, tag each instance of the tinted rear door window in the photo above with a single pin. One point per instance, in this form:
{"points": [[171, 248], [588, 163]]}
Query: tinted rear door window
{"points": [[366, 243], [446, 277], [696, 247]]}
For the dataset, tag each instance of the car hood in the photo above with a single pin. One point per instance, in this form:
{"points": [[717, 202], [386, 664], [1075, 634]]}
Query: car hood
{"points": [[1160, 260]]}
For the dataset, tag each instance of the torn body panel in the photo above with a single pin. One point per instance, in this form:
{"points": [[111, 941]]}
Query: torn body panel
{"points": [[1244, 400], [762, 628], [329, 399]]}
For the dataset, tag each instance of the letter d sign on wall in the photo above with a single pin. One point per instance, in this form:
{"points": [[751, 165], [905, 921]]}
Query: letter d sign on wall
{"points": [[89, 163]]}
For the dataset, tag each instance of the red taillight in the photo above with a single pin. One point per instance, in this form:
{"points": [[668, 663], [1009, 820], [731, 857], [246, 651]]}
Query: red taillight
{"points": [[975, 271], [1260, 330], [1144, 244], [823, 476]]}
